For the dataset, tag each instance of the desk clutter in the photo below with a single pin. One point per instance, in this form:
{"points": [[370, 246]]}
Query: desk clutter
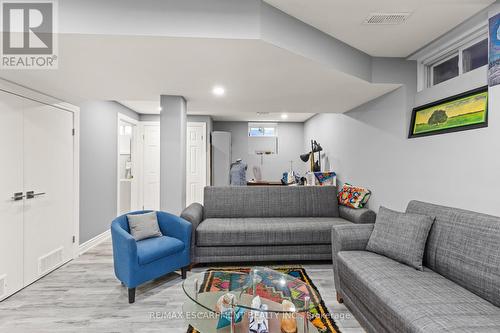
{"points": [[319, 178]]}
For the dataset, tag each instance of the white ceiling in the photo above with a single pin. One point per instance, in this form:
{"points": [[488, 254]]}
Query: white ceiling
{"points": [[344, 21], [153, 107], [258, 76]]}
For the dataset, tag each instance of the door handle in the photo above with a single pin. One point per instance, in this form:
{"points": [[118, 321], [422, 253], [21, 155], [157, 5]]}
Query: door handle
{"points": [[17, 196], [32, 194]]}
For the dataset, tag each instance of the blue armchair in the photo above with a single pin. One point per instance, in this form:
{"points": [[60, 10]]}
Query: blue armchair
{"points": [[136, 262]]}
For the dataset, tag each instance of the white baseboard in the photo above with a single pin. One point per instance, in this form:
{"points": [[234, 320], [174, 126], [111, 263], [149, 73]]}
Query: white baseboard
{"points": [[84, 247]]}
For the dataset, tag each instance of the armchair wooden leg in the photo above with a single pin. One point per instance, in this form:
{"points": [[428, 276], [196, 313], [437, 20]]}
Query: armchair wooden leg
{"points": [[184, 272], [339, 298], [131, 295]]}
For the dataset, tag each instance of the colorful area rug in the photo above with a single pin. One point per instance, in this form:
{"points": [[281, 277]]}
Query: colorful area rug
{"points": [[322, 319]]}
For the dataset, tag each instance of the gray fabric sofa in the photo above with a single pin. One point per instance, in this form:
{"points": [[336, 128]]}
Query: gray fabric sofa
{"points": [[458, 291], [266, 223]]}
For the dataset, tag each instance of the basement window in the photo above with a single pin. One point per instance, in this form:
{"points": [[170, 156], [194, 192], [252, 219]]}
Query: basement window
{"points": [[262, 129], [444, 70], [262, 138], [462, 60], [462, 55]]}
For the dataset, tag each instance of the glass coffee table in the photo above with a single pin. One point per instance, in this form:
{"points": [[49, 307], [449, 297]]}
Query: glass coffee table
{"points": [[283, 301]]}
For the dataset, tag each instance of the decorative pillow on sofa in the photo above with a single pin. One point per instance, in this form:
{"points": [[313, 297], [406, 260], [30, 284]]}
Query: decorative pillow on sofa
{"points": [[144, 226], [353, 196], [400, 236]]}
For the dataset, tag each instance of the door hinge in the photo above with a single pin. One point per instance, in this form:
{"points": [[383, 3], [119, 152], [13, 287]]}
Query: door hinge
{"points": [[73, 132], [74, 239]]}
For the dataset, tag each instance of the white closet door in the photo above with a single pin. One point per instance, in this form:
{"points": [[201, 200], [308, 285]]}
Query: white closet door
{"points": [[11, 181], [48, 171], [151, 167], [196, 163]]}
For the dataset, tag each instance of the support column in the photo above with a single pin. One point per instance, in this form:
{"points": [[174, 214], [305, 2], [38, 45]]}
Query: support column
{"points": [[172, 154]]}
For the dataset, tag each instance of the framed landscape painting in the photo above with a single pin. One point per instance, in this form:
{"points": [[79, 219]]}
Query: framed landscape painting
{"points": [[457, 113]]}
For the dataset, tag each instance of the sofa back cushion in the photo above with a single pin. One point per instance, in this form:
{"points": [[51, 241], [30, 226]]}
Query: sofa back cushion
{"points": [[270, 201], [464, 247]]}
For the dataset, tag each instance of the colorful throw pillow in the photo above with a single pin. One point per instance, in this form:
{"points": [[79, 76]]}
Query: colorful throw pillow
{"points": [[353, 196]]}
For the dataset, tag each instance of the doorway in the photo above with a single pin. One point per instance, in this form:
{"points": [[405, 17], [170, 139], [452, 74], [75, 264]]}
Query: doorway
{"points": [[127, 162]]}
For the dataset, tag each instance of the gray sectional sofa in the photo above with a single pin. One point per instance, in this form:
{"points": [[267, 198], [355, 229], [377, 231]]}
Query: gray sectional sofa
{"points": [[266, 223], [458, 291]]}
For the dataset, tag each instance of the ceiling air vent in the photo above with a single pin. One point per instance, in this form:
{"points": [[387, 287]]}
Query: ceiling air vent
{"points": [[386, 18]]}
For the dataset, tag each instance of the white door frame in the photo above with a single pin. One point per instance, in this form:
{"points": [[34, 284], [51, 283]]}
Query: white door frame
{"points": [[135, 139], [25, 92], [140, 162], [204, 154]]}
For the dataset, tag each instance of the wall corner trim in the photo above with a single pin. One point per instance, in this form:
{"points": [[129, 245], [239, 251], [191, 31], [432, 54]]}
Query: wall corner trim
{"points": [[93, 242]]}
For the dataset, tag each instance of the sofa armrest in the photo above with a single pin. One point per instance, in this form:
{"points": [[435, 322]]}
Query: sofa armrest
{"points": [[349, 237], [194, 215], [357, 215], [174, 226]]}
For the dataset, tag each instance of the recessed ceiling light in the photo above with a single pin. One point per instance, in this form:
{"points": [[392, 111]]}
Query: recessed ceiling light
{"points": [[284, 116], [218, 91], [159, 108]]}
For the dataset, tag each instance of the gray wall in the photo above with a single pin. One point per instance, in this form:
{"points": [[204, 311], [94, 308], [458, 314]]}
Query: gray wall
{"points": [[98, 158], [290, 146], [368, 146]]}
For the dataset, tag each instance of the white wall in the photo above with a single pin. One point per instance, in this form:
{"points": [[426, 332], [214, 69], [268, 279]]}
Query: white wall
{"points": [[368, 146], [290, 146]]}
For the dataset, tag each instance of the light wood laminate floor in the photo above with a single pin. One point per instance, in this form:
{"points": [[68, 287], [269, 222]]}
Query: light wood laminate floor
{"points": [[85, 296]]}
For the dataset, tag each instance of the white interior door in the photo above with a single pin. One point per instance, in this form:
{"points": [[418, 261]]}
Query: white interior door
{"points": [[11, 181], [48, 173], [151, 167], [196, 173]]}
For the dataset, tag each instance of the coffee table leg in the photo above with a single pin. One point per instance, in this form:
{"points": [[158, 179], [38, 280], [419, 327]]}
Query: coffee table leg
{"points": [[306, 314]]}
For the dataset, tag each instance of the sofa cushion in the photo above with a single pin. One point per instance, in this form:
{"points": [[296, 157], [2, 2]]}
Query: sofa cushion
{"points": [[400, 236], [151, 249], [464, 246], [270, 201], [266, 231], [406, 300]]}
